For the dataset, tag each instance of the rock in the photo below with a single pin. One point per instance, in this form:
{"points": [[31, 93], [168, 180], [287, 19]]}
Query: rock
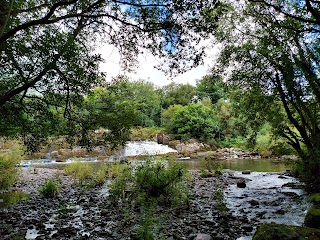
{"points": [[312, 218], [163, 138], [247, 228], [266, 154], [290, 194], [241, 183], [272, 231], [280, 211], [246, 172], [254, 202], [200, 236]]}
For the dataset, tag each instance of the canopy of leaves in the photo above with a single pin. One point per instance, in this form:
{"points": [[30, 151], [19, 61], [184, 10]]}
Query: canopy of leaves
{"points": [[273, 47], [195, 121], [175, 93], [48, 61]]}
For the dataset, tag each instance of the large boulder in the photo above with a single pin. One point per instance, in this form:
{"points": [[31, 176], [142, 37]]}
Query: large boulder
{"points": [[272, 231], [312, 218]]}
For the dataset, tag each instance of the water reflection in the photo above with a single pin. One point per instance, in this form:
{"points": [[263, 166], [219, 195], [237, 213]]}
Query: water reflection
{"points": [[238, 164]]}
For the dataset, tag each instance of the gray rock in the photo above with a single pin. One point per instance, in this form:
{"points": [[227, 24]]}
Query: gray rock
{"points": [[241, 183], [200, 236], [254, 202]]}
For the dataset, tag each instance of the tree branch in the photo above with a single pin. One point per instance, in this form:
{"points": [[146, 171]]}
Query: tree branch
{"points": [[44, 20], [279, 9]]}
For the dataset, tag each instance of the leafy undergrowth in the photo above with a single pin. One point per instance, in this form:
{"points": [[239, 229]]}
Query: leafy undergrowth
{"points": [[147, 186]]}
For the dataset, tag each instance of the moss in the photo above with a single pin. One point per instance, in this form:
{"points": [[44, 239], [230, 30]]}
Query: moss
{"points": [[312, 218], [273, 231], [314, 212], [315, 199]]}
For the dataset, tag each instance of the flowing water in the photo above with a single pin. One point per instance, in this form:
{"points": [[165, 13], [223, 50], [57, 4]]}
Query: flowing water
{"points": [[138, 148]]}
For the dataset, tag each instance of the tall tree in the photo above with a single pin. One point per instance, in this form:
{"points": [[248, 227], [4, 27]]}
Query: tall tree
{"points": [[274, 46], [179, 94], [47, 49], [211, 87]]}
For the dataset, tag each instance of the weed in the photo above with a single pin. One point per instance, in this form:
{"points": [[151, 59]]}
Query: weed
{"points": [[208, 166], [50, 188], [220, 202], [149, 227], [87, 174], [8, 171]]}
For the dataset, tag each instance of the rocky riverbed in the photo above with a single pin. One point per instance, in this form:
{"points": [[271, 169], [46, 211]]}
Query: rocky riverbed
{"points": [[78, 213]]}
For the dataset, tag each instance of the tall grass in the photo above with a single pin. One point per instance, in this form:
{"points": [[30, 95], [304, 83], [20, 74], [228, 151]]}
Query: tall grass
{"points": [[8, 171], [87, 174]]}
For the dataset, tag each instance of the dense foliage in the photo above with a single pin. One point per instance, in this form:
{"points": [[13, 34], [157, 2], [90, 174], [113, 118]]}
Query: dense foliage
{"points": [[49, 59], [275, 48]]}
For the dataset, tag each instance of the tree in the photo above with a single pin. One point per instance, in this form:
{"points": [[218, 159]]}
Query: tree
{"points": [[47, 57], [274, 47], [212, 87], [142, 95], [179, 94], [194, 121]]}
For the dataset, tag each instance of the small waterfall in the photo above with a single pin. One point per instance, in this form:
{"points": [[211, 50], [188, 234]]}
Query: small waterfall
{"points": [[139, 148]]}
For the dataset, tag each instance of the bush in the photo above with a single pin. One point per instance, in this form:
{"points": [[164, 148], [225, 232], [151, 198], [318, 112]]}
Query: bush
{"points": [[208, 164], [194, 121], [153, 182], [8, 171], [50, 188]]}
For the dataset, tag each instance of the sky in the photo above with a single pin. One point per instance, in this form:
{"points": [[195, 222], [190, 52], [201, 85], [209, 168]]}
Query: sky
{"points": [[146, 70]]}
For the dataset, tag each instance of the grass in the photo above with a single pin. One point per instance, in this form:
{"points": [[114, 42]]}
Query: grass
{"points": [[10, 198], [8, 171], [314, 198], [87, 174], [50, 188]]}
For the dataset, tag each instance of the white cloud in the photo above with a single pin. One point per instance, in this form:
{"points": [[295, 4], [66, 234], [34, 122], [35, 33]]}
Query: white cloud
{"points": [[147, 71]]}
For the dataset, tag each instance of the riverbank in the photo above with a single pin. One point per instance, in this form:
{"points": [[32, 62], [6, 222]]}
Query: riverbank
{"points": [[78, 213]]}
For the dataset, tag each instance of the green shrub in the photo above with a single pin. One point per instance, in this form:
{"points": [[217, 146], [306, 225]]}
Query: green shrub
{"points": [[8, 171], [149, 227], [116, 169], [209, 165], [122, 179], [194, 121], [153, 182], [221, 203], [140, 133], [50, 188]]}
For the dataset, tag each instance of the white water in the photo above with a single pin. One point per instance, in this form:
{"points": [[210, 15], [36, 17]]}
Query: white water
{"points": [[139, 148], [274, 201]]}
